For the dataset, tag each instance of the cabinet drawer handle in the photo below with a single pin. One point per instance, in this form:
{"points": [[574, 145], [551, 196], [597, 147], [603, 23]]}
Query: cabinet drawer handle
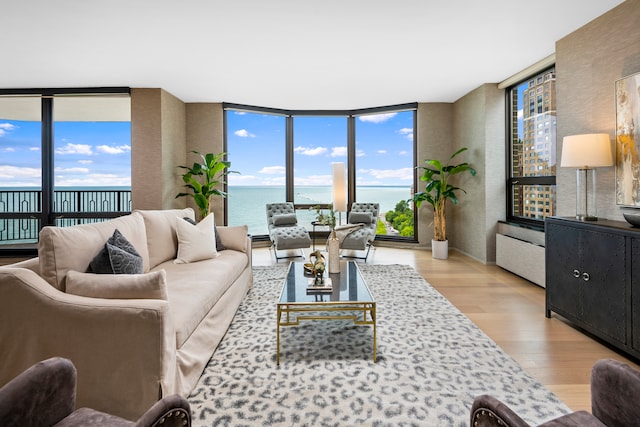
{"points": [[586, 277], [576, 273]]}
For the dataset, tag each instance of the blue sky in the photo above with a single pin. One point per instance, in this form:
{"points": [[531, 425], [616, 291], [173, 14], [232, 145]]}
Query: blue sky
{"points": [[99, 153], [86, 154], [384, 148]]}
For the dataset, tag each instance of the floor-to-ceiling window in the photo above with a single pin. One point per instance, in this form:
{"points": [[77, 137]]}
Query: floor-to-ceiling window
{"points": [[287, 156], [385, 165], [532, 149], [256, 149], [66, 159]]}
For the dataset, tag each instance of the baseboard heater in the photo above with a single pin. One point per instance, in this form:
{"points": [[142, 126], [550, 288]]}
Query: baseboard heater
{"points": [[521, 257]]}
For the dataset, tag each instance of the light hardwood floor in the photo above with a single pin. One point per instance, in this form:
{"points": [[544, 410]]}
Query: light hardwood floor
{"points": [[510, 310]]}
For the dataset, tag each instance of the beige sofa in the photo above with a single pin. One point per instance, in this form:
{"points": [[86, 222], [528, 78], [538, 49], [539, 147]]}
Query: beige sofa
{"points": [[128, 352]]}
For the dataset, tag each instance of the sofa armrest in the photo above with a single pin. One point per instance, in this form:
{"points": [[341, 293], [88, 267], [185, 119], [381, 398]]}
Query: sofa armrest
{"points": [[42, 395], [487, 411], [123, 350], [235, 237], [32, 264], [615, 387], [171, 411]]}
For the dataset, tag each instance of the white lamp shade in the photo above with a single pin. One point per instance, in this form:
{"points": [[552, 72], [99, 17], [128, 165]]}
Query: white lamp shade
{"points": [[339, 187], [586, 151]]}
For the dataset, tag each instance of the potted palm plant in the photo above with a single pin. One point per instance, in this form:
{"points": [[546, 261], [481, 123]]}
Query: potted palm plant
{"points": [[437, 190], [201, 180]]}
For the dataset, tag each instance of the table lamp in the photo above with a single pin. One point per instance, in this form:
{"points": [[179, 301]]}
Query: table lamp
{"points": [[586, 152]]}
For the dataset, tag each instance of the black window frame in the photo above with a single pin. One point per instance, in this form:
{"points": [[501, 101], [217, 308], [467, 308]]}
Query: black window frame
{"points": [[513, 181], [48, 216], [351, 115]]}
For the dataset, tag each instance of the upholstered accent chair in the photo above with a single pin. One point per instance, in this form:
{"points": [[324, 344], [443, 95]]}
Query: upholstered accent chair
{"points": [[359, 238], [284, 231], [615, 388], [45, 395]]}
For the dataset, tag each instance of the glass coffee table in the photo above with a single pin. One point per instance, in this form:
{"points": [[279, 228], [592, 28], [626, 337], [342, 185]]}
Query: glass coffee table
{"points": [[348, 299]]}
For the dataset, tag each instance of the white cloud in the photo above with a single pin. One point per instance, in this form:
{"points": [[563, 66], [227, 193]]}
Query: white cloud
{"points": [[5, 127], [75, 149], [313, 180], [305, 151], [107, 180], [274, 170], [7, 171], [360, 153], [243, 133], [402, 173], [520, 114], [72, 170], [34, 148], [111, 149], [85, 162], [408, 132], [9, 150], [339, 152], [377, 118], [382, 151], [403, 153]]}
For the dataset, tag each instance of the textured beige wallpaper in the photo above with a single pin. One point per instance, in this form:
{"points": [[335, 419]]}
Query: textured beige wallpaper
{"points": [[588, 62], [479, 125], [205, 134], [157, 147]]}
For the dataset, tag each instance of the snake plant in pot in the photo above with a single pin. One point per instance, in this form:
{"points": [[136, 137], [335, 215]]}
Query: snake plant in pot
{"points": [[437, 191], [201, 180]]}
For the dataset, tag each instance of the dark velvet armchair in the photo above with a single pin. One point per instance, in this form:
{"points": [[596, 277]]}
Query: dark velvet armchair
{"points": [[45, 395], [615, 388]]}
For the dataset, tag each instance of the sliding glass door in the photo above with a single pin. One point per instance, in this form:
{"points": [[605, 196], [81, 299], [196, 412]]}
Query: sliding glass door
{"points": [[65, 159]]}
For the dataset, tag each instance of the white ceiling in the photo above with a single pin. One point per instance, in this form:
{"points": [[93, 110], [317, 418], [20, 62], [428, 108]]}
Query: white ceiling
{"points": [[293, 54]]}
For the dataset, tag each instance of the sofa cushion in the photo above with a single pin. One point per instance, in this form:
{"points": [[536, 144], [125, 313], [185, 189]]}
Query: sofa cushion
{"points": [[195, 288], [162, 240], [233, 237], [151, 285], [118, 256], [61, 249], [195, 242], [219, 245]]}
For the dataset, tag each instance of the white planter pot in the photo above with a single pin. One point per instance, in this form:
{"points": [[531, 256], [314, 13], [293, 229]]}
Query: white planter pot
{"points": [[440, 249]]}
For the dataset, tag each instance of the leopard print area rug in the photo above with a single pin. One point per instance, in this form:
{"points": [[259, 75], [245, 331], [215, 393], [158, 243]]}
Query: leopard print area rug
{"points": [[432, 362]]}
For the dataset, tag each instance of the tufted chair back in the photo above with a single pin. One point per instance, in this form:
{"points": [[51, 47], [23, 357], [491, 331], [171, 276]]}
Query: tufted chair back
{"points": [[278, 209], [374, 208]]}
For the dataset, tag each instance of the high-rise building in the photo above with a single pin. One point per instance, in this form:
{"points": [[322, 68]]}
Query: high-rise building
{"points": [[537, 154]]}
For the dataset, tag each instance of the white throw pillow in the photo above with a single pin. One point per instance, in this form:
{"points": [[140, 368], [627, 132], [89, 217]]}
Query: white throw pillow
{"points": [[118, 286], [195, 242]]}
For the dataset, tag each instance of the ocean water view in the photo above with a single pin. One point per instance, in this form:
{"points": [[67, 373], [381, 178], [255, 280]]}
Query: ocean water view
{"points": [[247, 203]]}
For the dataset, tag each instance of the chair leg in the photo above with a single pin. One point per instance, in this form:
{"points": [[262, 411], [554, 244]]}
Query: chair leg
{"points": [[366, 255], [275, 253]]}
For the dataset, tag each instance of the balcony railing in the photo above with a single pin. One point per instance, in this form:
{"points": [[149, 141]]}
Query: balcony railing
{"points": [[22, 216]]}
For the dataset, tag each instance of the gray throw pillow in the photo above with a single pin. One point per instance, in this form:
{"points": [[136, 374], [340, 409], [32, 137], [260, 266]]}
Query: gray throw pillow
{"points": [[285, 219], [219, 245], [118, 256], [360, 218]]}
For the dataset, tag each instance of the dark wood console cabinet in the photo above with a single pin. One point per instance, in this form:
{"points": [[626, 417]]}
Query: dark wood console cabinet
{"points": [[592, 279]]}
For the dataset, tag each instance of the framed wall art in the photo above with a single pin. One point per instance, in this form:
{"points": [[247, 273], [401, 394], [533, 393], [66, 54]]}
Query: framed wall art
{"points": [[628, 141]]}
